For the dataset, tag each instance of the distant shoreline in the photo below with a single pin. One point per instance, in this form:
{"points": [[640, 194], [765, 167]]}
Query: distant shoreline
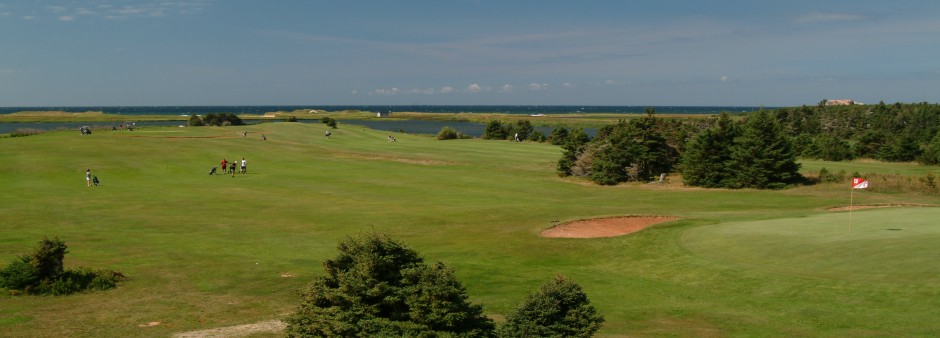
{"points": [[453, 109]]}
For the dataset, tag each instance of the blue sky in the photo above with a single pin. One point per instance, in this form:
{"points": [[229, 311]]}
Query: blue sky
{"points": [[235, 52]]}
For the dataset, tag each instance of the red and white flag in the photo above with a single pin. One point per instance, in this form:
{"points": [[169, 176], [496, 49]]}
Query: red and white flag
{"points": [[859, 183]]}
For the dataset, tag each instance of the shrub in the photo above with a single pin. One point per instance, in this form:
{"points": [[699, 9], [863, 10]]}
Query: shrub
{"points": [[19, 275], [447, 133], [221, 119], [196, 121], [826, 176], [20, 132], [559, 309], [292, 119], [43, 273], [537, 136], [329, 121]]}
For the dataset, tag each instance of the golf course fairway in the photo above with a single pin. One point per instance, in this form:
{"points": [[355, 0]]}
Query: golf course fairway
{"points": [[207, 251]]}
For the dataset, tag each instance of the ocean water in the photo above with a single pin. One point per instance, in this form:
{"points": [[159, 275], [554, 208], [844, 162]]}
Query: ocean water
{"points": [[528, 110]]}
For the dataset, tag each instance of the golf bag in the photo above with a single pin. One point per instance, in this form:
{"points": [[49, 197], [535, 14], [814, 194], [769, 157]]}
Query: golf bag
{"points": [[212, 172], [95, 180]]}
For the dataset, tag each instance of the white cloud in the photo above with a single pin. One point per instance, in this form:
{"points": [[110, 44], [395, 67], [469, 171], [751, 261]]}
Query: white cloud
{"points": [[27, 17], [538, 86], [427, 91], [815, 17], [506, 88], [725, 78], [613, 83], [393, 91], [447, 89], [66, 18], [474, 88]]}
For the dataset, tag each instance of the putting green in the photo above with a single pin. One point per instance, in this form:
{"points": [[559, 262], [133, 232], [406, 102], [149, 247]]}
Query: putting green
{"points": [[893, 245]]}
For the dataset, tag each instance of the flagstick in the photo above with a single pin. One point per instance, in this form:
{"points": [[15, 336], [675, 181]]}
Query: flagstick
{"points": [[851, 201]]}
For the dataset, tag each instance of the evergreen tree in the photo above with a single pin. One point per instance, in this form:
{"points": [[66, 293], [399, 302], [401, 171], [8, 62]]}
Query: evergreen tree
{"points": [[524, 128], [494, 131], [931, 154], [763, 156], [631, 151], [574, 146], [559, 136], [559, 309], [378, 287], [831, 148], [706, 161]]}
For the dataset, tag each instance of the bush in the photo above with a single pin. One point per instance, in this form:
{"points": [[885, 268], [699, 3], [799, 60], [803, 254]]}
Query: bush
{"points": [[212, 119], [447, 133], [826, 176], [43, 273], [19, 275], [292, 119], [196, 121], [537, 136], [559, 309], [329, 121], [20, 132]]}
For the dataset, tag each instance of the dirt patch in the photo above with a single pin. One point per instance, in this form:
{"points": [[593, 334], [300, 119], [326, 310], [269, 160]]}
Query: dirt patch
{"points": [[604, 227], [274, 326]]}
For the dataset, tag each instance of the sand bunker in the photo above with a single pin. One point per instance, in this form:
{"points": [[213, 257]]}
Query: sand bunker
{"points": [[604, 227]]}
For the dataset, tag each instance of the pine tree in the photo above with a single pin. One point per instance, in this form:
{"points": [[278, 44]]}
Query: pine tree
{"points": [[763, 156], [378, 287], [559, 309], [706, 160], [631, 151]]}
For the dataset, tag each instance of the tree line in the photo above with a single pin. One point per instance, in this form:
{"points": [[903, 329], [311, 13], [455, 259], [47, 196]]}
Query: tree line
{"points": [[752, 150]]}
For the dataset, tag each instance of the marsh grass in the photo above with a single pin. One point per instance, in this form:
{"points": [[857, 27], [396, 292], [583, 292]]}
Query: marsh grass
{"points": [[205, 251]]}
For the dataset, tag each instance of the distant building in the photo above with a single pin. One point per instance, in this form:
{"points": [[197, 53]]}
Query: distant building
{"points": [[383, 114], [840, 102]]}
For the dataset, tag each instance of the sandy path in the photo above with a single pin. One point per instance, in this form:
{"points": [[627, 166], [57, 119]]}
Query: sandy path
{"points": [[236, 331]]}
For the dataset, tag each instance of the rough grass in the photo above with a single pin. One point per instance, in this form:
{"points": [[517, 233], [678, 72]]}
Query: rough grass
{"points": [[209, 251]]}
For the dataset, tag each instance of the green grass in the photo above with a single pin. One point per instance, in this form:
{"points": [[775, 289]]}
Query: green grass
{"points": [[208, 251], [835, 246]]}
